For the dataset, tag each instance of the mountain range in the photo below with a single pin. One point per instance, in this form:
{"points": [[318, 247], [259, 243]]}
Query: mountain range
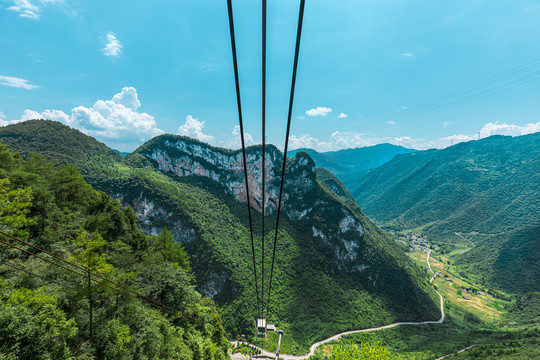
{"points": [[335, 270], [487, 191], [351, 163]]}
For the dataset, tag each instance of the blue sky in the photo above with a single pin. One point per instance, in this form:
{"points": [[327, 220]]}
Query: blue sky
{"points": [[417, 73]]}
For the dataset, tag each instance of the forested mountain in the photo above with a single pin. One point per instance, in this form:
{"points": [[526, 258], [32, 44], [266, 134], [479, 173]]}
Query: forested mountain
{"points": [[351, 163], [335, 270], [45, 309], [489, 187]]}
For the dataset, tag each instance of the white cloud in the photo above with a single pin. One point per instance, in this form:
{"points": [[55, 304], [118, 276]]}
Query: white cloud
{"points": [[344, 140], [494, 128], [342, 116], [113, 47], [116, 121], [390, 122], [402, 108], [193, 128], [248, 139], [17, 82], [31, 9], [447, 123], [300, 117], [319, 111], [408, 54], [25, 9]]}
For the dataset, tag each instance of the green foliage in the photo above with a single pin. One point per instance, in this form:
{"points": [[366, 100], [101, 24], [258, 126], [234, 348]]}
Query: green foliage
{"points": [[42, 319], [91, 256], [353, 351], [14, 206]]}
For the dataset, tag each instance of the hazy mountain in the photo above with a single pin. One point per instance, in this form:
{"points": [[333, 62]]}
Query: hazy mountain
{"points": [[350, 163], [335, 270]]}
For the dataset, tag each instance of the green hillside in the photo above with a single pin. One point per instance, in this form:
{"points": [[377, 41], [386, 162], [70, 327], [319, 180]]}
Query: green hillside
{"points": [[44, 309], [487, 192], [489, 186], [326, 279], [351, 163], [509, 261]]}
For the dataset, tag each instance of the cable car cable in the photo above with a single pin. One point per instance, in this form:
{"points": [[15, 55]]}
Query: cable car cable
{"points": [[239, 105], [263, 168], [293, 83]]}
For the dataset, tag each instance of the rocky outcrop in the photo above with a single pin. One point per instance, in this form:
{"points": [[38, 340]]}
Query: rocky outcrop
{"points": [[303, 198]]}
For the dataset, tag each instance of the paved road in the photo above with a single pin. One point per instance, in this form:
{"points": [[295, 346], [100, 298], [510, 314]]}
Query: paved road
{"points": [[336, 337]]}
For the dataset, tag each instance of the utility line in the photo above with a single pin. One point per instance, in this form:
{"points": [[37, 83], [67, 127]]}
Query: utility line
{"points": [[125, 290], [43, 278], [293, 83], [495, 84], [78, 267], [263, 140], [239, 105]]}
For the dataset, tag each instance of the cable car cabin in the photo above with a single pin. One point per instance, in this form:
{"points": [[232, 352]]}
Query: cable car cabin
{"points": [[261, 327]]}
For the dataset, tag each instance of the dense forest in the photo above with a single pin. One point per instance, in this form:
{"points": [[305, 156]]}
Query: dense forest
{"points": [[44, 308]]}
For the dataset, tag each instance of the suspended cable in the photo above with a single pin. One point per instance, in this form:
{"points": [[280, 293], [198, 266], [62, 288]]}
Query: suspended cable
{"points": [[77, 266], [239, 105], [263, 167], [495, 84], [123, 289], [43, 278], [293, 83]]}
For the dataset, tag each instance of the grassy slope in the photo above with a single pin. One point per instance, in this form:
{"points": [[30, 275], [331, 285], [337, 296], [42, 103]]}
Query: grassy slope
{"points": [[311, 299]]}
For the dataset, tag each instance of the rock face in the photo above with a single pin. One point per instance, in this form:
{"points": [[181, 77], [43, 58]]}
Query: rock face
{"points": [[303, 196]]}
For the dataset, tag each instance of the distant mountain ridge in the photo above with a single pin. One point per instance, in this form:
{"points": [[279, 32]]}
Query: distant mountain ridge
{"points": [[349, 163], [335, 270], [490, 186]]}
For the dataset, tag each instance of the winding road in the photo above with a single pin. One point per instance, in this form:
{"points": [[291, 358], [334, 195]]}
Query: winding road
{"points": [[336, 337]]}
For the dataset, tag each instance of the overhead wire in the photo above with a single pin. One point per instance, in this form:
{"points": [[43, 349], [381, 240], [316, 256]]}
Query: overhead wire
{"points": [[123, 289], [43, 277], [289, 116], [492, 85], [263, 167], [241, 123]]}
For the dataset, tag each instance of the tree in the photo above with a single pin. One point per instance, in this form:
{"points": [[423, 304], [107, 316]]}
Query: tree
{"points": [[364, 351], [14, 205]]}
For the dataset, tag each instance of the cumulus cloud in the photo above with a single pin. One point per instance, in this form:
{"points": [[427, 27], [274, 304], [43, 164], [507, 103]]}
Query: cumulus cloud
{"points": [[342, 116], [17, 82], [447, 123], [113, 47], [319, 111], [193, 128], [236, 143], [117, 121], [390, 122]]}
